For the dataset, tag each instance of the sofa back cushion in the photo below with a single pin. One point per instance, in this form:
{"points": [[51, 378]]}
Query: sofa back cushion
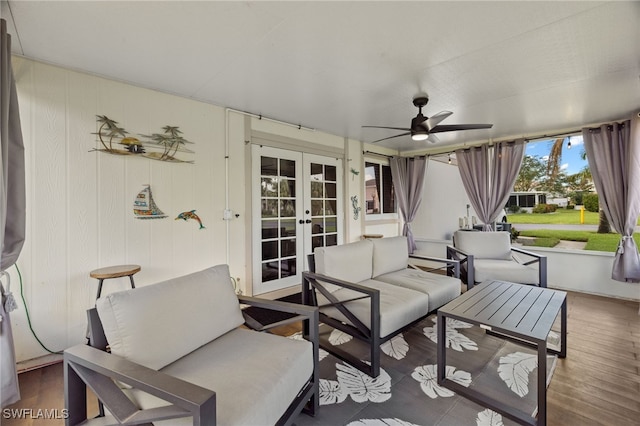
{"points": [[157, 324], [349, 262], [484, 245], [389, 255]]}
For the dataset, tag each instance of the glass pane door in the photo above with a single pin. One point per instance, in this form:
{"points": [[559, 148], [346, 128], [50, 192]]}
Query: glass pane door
{"points": [[278, 202], [323, 181], [297, 206]]}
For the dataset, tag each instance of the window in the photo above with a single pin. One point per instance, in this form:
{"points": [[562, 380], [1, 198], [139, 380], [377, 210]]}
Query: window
{"points": [[379, 194], [528, 200]]}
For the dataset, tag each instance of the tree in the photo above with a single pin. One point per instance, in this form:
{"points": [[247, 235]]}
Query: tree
{"points": [[554, 163], [604, 227], [579, 182], [557, 186], [531, 174], [553, 169]]}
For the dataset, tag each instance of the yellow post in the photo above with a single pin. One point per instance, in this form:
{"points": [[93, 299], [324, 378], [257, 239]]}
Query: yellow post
{"points": [[581, 215]]}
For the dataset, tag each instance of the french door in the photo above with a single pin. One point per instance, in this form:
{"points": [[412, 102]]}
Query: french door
{"points": [[297, 206]]}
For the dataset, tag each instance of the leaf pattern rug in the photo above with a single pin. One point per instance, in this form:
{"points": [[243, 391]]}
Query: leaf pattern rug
{"points": [[406, 392]]}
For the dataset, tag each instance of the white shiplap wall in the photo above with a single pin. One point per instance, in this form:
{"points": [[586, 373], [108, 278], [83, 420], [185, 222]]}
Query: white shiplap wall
{"points": [[79, 203]]}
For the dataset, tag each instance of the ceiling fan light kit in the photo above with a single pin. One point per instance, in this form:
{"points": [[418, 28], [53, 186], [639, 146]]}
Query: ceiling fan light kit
{"points": [[422, 127]]}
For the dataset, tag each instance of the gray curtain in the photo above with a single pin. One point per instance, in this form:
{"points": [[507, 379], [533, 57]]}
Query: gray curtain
{"points": [[12, 208], [613, 152], [408, 180], [488, 175]]}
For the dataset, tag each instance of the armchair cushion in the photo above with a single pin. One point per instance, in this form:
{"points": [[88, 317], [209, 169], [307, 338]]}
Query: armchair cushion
{"points": [[506, 270], [270, 387], [398, 306], [348, 262], [140, 324], [389, 254], [440, 288], [484, 245]]}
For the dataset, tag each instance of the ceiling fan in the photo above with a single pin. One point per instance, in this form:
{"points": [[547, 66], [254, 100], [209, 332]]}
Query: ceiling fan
{"points": [[422, 127]]}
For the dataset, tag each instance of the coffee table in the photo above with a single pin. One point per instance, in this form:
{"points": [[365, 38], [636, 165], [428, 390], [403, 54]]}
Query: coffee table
{"points": [[523, 313]]}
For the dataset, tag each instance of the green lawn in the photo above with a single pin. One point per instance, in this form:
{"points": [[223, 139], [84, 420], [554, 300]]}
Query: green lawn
{"points": [[595, 241], [560, 216], [550, 237]]}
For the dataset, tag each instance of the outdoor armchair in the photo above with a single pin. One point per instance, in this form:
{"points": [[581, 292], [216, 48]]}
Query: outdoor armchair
{"points": [[490, 255], [181, 351]]}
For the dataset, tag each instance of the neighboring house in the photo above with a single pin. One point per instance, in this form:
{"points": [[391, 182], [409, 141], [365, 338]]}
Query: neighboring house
{"points": [[560, 201], [526, 200]]}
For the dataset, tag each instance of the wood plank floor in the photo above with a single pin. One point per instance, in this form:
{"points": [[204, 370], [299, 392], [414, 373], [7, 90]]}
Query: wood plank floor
{"points": [[597, 384]]}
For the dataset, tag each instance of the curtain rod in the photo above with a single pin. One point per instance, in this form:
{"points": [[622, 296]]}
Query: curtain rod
{"points": [[567, 133], [261, 117], [391, 156], [377, 153], [526, 140]]}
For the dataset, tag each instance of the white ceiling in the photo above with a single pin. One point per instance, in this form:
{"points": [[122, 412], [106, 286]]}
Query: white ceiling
{"points": [[527, 67]]}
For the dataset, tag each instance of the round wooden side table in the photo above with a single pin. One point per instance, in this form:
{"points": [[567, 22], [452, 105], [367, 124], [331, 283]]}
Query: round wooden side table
{"points": [[114, 272], [369, 236]]}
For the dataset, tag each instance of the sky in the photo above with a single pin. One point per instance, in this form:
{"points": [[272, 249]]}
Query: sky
{"points": [[571, 161]]}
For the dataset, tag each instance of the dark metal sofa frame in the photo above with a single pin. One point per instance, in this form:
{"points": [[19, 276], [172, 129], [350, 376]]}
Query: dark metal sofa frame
{"points": [[92, 366], [312, 281]]}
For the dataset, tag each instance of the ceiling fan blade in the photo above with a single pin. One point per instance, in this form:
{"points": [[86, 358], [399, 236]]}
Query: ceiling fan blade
{"points": [[433, 138], [392, 128], [454, 127], [391, 137], [437, 118]]}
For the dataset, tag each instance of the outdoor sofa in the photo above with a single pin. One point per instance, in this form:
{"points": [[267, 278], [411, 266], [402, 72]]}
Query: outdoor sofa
{"points": [[369, 290]]}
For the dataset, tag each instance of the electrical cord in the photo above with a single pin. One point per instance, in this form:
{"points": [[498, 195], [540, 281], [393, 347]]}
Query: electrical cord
{"points": [[26, 310]]}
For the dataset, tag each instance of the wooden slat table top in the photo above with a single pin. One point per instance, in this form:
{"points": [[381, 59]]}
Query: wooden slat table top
{"points": [[514, 308], [114, 271]]}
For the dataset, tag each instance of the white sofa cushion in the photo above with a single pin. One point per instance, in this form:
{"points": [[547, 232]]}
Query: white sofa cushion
{"points": [[440, 288], [484, 245], [398, 306], [142, 325], [505, 270], [389, 254], [255, 376], [349, 262]]}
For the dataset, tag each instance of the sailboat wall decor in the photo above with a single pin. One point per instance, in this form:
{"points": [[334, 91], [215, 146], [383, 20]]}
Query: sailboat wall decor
{"points": [[144, 207]]}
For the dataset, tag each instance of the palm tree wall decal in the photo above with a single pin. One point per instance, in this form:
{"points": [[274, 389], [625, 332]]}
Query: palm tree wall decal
{"points": [[170, 142], [109, 128]]}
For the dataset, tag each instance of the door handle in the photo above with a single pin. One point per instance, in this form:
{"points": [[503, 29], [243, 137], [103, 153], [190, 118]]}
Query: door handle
{"points": [[307, 221], [301, 222]]}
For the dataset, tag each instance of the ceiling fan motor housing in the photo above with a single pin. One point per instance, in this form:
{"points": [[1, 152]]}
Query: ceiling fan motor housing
{"points": [[420, 101], [416, 123], [418, 130]]}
